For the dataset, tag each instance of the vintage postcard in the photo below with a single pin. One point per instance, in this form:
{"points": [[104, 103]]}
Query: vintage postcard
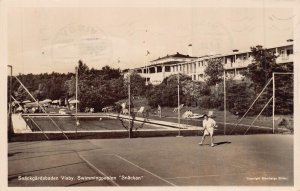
{"points": [[146, 94]]}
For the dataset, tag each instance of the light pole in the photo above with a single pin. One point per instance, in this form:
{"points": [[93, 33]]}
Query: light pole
{"points": [[129, 105], [273, 105], [224, 102], [10, 128], [76, 98], [10, 89], [178, 100]]}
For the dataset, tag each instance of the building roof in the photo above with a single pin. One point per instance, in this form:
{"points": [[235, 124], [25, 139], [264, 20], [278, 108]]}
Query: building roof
{"points": [[177, 55], [166, 63]]}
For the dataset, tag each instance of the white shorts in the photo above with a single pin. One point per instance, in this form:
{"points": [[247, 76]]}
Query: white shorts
{"points": [[209, 131]]}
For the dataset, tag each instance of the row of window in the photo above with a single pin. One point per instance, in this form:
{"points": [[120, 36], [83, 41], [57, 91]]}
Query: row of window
{"points": [[229, 72], [230, 59]]}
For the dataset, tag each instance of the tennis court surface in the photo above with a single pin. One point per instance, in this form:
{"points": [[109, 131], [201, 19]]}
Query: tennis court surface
{"points": [[161, 161]]}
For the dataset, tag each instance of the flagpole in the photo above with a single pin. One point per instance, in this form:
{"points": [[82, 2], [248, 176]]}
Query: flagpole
{"points": [[146, 67]]}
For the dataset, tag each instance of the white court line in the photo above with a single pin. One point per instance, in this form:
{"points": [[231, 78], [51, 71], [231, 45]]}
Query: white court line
{"points": [[145, 170], [96, 169]]}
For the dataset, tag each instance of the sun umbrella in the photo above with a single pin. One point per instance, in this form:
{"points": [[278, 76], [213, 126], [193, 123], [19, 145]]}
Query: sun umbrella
{"points": [[73, 101], [34, 104], [47, 101], [19, 108]]}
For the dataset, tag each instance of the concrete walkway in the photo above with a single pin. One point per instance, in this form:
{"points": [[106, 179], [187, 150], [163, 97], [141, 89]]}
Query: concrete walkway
{"points": [[163, 123], [19, 125]]}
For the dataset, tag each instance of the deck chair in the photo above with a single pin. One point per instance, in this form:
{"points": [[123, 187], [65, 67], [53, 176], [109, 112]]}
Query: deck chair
{"points": [[178, 108], [125, 111], [141, 110]]}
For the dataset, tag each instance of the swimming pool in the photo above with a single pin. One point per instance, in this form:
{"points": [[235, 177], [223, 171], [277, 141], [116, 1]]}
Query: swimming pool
{"points": [[86, 123]]}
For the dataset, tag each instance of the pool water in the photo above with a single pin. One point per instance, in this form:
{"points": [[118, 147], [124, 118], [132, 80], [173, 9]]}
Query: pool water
{"points": [[86, 123]]}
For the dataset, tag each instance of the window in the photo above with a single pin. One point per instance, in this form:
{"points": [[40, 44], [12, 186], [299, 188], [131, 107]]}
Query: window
{"points": [[289, 51], [151, 70], [159, 69], [167, 68]]}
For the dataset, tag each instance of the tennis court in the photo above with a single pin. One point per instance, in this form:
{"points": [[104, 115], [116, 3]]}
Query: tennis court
{"points": [[161, 161]]}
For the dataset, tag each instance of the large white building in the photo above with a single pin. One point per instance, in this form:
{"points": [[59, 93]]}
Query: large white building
{"points": [[234, 62]]}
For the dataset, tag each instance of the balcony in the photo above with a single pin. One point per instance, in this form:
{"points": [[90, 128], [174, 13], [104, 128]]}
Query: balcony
{"points": [[238, 64], [284, 58]]}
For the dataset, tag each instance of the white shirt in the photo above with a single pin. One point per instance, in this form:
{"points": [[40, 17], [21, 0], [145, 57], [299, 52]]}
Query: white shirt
{"points": [[209, 123]]}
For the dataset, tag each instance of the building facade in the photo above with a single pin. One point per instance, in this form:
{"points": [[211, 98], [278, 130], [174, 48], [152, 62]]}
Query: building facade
{"points": [[233, 62]]}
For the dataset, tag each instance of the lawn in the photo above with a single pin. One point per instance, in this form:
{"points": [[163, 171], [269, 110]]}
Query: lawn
{"points": [[169, 115]]}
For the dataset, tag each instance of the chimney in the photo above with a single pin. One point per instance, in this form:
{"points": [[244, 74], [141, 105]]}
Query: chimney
{"points": [[235, 50], [290, 40], [190, 50]]}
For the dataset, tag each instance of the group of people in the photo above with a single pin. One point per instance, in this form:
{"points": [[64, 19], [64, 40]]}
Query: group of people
{"points": [[21, 109], [187, 114]]}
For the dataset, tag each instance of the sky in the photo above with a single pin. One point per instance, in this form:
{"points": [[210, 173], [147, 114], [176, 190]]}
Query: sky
{"points": [[53, 37]]}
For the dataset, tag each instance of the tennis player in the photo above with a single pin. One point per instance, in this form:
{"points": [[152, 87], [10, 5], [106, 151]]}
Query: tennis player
{"points": [[209, 124]]}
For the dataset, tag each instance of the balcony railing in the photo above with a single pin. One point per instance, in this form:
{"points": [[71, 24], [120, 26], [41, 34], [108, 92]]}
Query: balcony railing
{"points": [[284, 58], [238, 64]]}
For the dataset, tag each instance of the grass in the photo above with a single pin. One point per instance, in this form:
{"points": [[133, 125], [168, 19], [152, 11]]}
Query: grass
{"points": [[169, 115]]}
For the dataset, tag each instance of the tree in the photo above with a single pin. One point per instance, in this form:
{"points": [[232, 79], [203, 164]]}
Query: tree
{"points": [[137, 84], [43, 85], [240, 95], [260, 72], [193, 91], [39, 93], [96, 88], [21, 94], [284, 95], [165, 94], [214, 71], [69, 85], [132, 125]]}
